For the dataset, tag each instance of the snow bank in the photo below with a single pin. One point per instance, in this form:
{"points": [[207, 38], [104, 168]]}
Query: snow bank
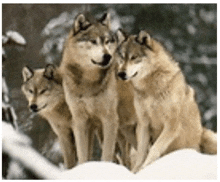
{"points": [[98, 171], [16, 37], [184, 164]]}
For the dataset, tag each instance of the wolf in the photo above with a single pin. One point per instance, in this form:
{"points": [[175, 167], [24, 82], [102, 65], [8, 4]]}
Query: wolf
{"points": [[168, 115], [90, 84], [44, 92]]}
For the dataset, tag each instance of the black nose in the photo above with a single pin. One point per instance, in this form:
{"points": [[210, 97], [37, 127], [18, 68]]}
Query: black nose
{"points": [[106, 59], [122, 75], [33, 107]]}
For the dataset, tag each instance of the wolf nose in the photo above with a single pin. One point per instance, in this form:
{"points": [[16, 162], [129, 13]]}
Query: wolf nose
{"points": [[122, 75], [33, 107], [107, 57]]}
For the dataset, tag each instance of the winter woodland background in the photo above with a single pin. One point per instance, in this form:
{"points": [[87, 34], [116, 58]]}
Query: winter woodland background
{"points": [[189, 31]]}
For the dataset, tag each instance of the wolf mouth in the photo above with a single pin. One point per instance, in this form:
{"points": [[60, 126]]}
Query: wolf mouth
{"points": [[103, 63], [134, 74], [123, 75], [105, 60], [37, 110]]}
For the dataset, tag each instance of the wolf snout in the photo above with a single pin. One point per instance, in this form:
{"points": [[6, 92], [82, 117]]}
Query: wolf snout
{"points": [[106, 59], [122, 75], [33, 108]]}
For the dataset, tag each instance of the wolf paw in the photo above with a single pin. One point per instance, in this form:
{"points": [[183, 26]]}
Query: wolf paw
{"points": [[152, 156]]}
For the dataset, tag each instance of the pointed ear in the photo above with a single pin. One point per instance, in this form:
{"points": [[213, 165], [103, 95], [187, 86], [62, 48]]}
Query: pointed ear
{"points": [[121, 36], [144, 38], [80, 23], [49, 71], [106, 20], [27, 73]]}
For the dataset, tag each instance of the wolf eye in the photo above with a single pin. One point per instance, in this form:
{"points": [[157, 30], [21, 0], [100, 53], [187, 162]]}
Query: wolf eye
{"points": [[133, 57], [93, 41], [42, 91], [137, 61], [30, 91], [112, 40]]}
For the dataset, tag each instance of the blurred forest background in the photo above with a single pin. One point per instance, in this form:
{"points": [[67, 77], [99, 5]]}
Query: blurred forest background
{"points": [[189, 31]]}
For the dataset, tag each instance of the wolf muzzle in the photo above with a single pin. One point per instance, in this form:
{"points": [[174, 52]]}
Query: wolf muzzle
{"points": [[105, 60], [33, 108], [122, 75]]}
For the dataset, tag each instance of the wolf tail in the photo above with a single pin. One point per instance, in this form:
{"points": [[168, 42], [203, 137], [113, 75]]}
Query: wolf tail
{"points": [[208, 142]]}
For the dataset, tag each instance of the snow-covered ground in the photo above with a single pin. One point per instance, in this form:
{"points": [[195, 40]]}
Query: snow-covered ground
{"points": [[98, 171], [184, 164]]}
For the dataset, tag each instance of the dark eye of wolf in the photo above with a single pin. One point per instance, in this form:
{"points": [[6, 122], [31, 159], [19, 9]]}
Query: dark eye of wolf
{"points": [[111, 40], [133, 57], [137, 61], [42, 91], [31, 91], [93, 42]]}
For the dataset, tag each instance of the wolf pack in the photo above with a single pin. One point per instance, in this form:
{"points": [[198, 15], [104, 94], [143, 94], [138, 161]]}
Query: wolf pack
{"points": [[127, 91]]}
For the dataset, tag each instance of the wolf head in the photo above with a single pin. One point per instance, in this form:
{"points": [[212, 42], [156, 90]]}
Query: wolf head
{"points": [[42, 87], [134, 55], [90, 44]]}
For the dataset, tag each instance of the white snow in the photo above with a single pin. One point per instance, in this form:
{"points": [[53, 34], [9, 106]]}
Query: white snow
{"points": [[207, 16], [4, 39], [98, 171], [115, 20], [191, 29], [184, 164], [210, 113], [12, 137], [56, 26], [15, 171], [16, 37]]}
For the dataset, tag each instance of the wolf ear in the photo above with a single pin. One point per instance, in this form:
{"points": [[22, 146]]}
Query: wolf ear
{"points": [[106, 19], [80, 23], [49, 71], [121, 36], [144, 38], [27, 73]]}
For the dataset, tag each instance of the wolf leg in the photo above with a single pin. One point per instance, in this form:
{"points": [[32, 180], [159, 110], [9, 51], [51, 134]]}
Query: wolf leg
{"points": [[68, 148], [168, 135], [81, 134], [130, 135], [124, 148], [91, 135], [143, 139], [80, 120], [110, 131], [67, 144]]}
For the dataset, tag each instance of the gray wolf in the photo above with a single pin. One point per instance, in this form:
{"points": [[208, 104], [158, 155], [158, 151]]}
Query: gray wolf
{"points": [[90, 85], [168, 115], [44, 92]]}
